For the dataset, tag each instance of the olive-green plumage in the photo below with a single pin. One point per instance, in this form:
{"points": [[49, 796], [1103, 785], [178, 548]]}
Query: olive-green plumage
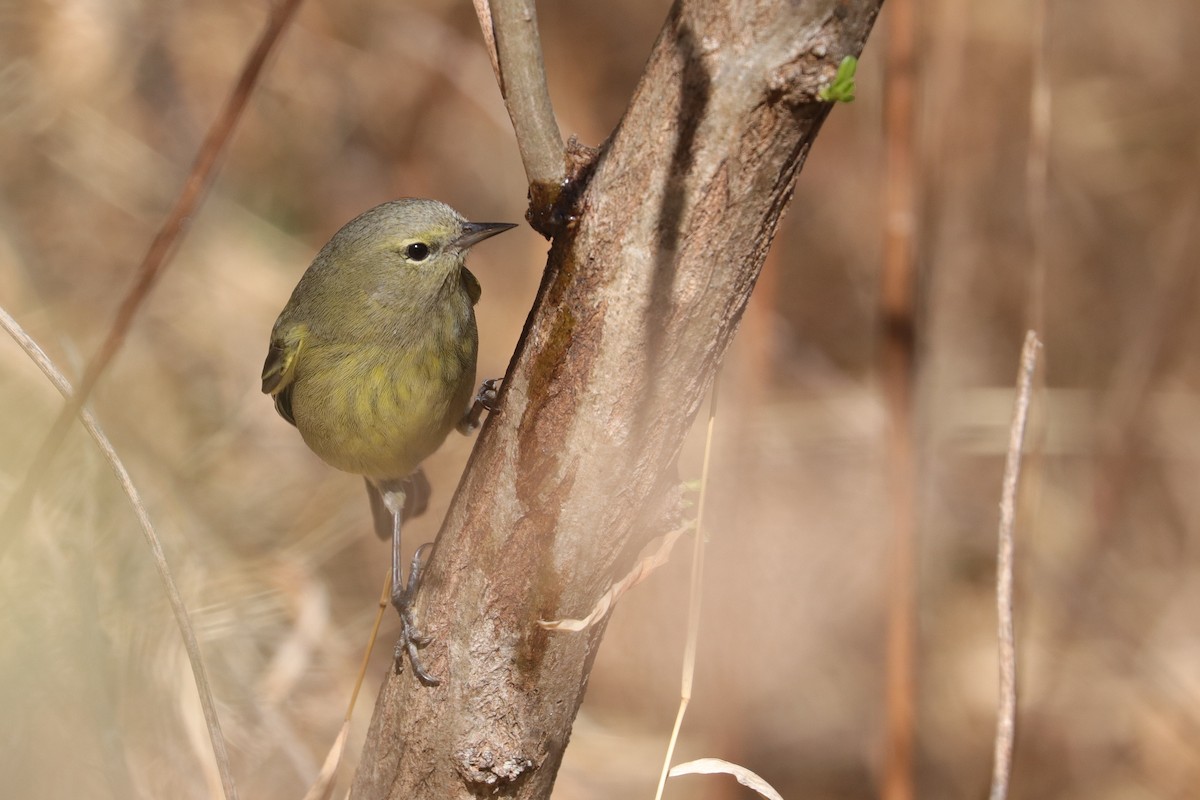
{"points": [[373, 360], [373, 357]]}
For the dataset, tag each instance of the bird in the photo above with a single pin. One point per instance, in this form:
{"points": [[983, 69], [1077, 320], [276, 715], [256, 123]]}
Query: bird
{"points": [[373, 360]]}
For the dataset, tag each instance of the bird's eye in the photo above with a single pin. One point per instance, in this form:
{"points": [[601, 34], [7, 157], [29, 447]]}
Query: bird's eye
{"points": [[417, 251]]}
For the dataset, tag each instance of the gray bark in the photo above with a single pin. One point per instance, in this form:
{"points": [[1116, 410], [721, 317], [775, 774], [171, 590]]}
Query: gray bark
{"points": [[660, 241]]}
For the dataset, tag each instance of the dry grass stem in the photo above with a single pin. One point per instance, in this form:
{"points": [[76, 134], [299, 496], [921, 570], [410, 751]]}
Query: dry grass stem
{"points": [[711, 766], [1006, 718], [182, 619], [322, 787], [199, 179], [695, 595], [639, 573]]}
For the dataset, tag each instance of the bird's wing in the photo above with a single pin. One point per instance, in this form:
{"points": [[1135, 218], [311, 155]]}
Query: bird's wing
{"points": [[471, 284], [280, 367]]}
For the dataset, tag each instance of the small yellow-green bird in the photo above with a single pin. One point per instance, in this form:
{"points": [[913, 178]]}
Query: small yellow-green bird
{"points": [[373, 360]]}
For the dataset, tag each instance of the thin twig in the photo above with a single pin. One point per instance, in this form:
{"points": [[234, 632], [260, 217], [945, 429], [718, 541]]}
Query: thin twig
{"points": [[694, 596], [1006, 718], [35, 353], [483, 10], [522, 75], [898, 308], [194, 188]]}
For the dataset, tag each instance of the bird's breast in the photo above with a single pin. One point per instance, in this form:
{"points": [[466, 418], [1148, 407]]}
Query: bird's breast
{"points": [[379, 406]]}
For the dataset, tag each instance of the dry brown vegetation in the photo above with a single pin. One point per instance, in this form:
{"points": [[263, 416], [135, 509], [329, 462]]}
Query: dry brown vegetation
{"points": [[101, 109]]}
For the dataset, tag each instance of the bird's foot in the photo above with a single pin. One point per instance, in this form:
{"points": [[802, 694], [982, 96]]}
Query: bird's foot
{"points": [[486, 400], [411, 639]]}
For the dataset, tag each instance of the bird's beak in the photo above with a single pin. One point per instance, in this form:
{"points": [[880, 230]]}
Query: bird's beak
{"points": [[475, 232]]}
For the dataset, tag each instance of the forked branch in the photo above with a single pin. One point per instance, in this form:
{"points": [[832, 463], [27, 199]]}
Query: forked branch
{"points": [[643, 291]]}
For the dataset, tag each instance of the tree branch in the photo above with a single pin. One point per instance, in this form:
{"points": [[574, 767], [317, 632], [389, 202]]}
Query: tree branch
{"points": [[522, 75], [642, 294]]}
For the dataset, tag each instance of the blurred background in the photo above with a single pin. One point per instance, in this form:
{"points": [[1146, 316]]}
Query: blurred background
{"points": [[102, 107]]}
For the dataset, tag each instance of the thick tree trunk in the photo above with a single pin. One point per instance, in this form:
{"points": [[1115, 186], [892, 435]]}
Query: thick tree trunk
{"points": [[643, 291]]}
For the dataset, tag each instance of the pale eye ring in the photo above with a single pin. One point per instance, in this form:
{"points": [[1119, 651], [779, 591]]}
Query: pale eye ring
{"points": [[417, 251]]}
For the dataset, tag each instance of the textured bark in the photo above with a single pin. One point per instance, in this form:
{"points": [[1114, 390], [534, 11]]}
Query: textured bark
{"points": [[643, 291]]}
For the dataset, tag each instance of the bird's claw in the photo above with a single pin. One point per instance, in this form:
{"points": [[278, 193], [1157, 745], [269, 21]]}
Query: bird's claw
{"points": [[408, 643], [485, 400], [488, 394], [410, 637]]}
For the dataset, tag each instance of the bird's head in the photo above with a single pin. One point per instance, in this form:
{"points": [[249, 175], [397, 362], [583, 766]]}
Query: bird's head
{"points": [[408, 244]]}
